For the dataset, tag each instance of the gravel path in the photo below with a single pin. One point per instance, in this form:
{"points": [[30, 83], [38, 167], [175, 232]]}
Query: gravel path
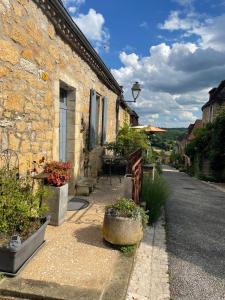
{"points": [[196, 238]]}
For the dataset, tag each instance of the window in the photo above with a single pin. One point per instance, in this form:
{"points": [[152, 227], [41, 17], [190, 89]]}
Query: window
{"points": [[98, 119], [211, 113]]}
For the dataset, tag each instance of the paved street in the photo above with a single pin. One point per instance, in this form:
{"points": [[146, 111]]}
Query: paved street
{"points": [[196, 238]]}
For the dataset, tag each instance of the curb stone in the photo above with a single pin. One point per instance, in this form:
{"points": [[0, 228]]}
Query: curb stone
{"points": [[150, 278]]}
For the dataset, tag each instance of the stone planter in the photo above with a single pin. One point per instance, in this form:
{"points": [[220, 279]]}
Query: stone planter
{"points": [[122, 231], [57, 204], [12, 259]]}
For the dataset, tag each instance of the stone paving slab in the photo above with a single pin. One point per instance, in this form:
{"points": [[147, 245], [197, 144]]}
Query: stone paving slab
{"points": [[150, 279]]}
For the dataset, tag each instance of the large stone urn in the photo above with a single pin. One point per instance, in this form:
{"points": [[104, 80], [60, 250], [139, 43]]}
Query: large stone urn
{"points": [[122, 231], [57, 204]]}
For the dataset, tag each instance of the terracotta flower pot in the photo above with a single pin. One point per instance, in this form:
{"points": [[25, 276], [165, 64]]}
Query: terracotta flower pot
{"points": [[122, 231]]}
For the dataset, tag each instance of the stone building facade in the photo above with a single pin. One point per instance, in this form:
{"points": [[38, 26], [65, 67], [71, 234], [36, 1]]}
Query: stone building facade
{"points": [[127, 115], [48, 67], [215, 104]]}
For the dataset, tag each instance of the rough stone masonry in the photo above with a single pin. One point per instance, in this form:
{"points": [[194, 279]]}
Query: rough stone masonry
{"points": [[34, 62]]}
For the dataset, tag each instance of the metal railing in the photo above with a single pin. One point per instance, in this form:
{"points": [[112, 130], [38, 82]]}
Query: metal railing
{"points": [[135, 169]]}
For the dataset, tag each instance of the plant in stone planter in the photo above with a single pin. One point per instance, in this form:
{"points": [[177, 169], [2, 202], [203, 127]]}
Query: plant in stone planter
{"points": [[124, 222], [22, 225], [57, 176]]}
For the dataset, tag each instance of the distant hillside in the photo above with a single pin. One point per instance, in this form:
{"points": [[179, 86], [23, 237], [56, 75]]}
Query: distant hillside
{"points": [[166, 140]]}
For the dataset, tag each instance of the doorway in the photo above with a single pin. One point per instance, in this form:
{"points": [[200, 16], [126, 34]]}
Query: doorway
{"points": [[63, 125]]}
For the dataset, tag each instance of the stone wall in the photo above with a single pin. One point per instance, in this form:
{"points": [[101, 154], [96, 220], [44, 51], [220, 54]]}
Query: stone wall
{"points": [[124, 117], [34, 62], [209, 112]]}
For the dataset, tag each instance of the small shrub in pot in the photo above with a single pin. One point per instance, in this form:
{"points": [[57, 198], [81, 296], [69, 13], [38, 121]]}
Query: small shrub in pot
{"points": [[124, 222], [21, 217]]}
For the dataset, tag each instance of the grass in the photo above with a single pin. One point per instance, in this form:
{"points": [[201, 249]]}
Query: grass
{"points": [[154, 193], [127, 249]]}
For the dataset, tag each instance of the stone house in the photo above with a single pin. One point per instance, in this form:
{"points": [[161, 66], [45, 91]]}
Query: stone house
{"points": [[127, 115], [215, 103], [58, 99], [192, 128]]}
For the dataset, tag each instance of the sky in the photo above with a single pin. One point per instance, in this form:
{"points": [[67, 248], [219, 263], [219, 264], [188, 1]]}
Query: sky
{"points": [[174, 48]]}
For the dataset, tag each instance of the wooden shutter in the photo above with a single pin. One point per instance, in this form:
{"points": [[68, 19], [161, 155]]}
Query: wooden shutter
{"points": [[104, 119], [92, 121]]}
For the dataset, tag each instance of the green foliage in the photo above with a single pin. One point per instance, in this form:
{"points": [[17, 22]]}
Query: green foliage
{"points": [[127, 208], [154, 193], [127, 249], [19, 205], [175, 158], [151, 156], [158, 167], [209, 143], [167, 140], [128, 141]]}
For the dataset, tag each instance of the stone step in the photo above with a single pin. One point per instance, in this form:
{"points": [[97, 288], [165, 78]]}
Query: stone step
{"points": [[85, 186], [20, 288]]}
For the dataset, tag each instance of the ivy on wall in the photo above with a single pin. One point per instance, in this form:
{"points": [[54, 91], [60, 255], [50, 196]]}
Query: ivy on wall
{"points": [[209, 143]]}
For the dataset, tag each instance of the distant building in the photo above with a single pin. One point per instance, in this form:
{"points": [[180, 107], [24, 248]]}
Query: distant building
{"points": [[185, 139], [215, 103], [192, 128], [127, 115]]}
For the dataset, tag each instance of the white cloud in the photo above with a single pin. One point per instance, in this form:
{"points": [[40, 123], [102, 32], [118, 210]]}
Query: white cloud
{"points": [[210, 30], [72, 9], [175, 22], [92, 25], [184, 2], [73, 5], [175, 80], [144, 25]]}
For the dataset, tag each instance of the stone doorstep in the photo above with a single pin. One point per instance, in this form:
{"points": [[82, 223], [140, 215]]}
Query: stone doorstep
{"points": [[85, 186], [26, 289], [83, 190], [39, 290]]}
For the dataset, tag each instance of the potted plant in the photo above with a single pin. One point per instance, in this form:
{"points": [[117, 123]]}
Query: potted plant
{"points": [[57, 175], [22, 225], [124, 222], [128, 141]]}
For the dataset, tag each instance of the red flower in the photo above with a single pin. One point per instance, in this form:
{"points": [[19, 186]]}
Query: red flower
{"points": [[59, 172]]}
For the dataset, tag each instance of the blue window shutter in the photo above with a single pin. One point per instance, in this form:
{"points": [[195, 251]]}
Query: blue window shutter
{"points": [[104, 120], [92, 121]]}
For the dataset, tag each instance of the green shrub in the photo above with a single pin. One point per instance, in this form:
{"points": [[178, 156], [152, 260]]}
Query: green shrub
{"points": [[127, 208], [158, 167], [128, 249], [20, 209], [209, 143], [154, 193], [128, 141]]}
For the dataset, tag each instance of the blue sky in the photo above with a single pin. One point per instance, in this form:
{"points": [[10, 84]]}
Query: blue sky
{"points": [[174, 48]]}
